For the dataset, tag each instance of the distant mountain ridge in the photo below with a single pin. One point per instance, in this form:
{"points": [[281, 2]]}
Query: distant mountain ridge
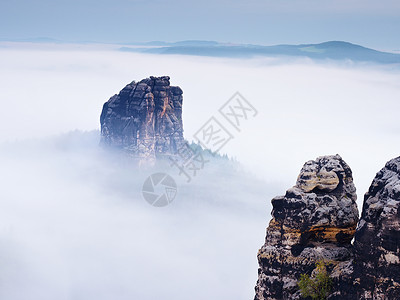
{"points": [[331, 50], [335, 50]]}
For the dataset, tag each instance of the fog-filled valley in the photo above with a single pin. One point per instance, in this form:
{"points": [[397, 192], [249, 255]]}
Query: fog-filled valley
{"points": [[74, 224]]}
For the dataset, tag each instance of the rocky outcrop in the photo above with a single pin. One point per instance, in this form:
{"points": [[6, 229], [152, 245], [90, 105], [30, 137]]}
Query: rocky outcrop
{"points": [[377, 240], [144, 119], [315, 220]]}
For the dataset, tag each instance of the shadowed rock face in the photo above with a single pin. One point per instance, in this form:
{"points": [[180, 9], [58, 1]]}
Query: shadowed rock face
{"points": [[144, 119], [377, 240], [316, 219]]}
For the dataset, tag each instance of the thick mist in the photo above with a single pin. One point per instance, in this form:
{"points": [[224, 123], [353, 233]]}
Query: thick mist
{"points": [[73, 223]]}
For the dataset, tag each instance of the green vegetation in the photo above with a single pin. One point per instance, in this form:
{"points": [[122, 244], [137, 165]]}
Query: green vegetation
{"points": [[318, 285]]}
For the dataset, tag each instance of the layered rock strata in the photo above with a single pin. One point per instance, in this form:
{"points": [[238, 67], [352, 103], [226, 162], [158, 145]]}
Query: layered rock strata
{"points": [[315, 220]]}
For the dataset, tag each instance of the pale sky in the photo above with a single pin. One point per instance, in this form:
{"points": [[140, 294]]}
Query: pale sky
{"points": [[367, 22]]}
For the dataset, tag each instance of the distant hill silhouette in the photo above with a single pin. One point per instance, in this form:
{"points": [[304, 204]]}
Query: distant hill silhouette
{"points": [[336, 50]]}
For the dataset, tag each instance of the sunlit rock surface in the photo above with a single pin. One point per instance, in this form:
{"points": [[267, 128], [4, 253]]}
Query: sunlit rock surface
{"points": [[144, 119], [316, 219]]}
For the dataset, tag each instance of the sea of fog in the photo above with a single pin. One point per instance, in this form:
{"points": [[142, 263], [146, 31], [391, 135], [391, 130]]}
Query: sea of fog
{"points": [[73, 222]]}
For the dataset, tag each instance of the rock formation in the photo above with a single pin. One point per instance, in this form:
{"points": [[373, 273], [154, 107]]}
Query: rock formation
{"points": [[377, 239], [144, 119], [316, 219]]}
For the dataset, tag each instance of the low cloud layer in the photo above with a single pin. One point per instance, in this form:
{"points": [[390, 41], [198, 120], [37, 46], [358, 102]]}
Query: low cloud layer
{"points": [[73, 221], [305, 109], [74, 225]]}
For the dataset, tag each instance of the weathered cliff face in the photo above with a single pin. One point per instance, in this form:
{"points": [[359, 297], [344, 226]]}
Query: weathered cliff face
{"points": [[144, 119], [316, 219], [377, 240]]}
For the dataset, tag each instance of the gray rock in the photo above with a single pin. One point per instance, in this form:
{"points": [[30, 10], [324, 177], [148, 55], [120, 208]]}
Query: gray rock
{"points": [[377, 239], [315, 220], [144, 119]]}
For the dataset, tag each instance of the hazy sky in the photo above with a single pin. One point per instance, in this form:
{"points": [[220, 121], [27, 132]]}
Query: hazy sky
{"points": [[368, 22]]}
